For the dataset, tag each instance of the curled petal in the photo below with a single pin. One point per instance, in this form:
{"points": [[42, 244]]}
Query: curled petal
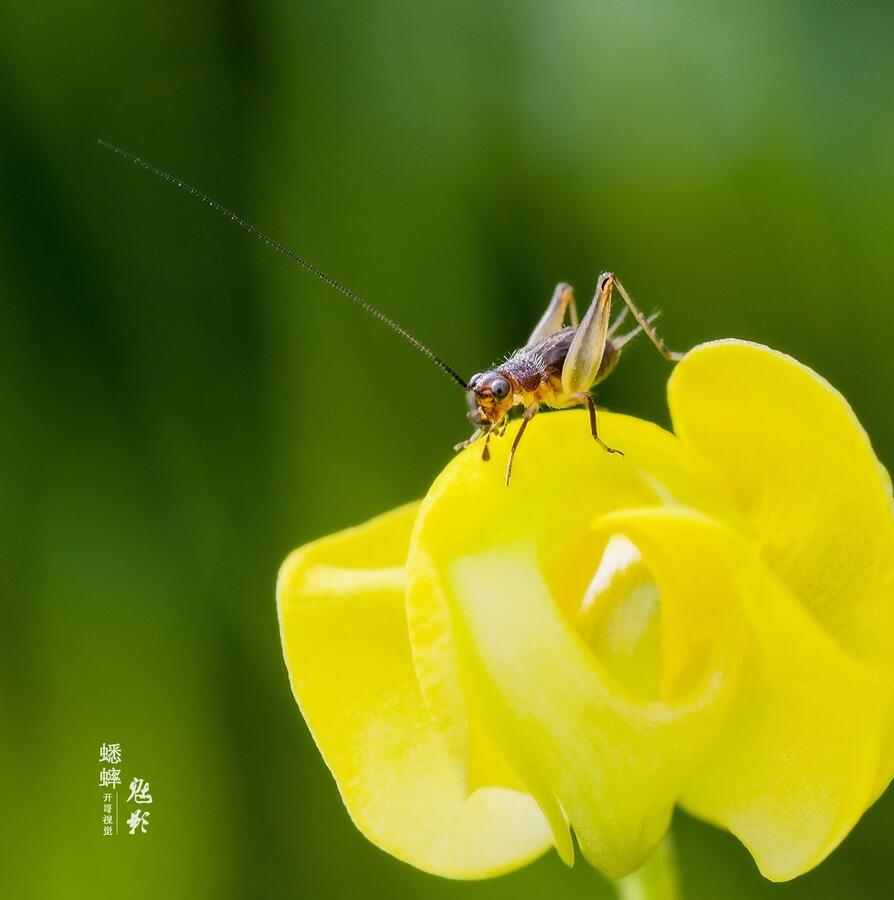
{"points": [[796, 765], [615, 766], [495, 575], [344, 636]]}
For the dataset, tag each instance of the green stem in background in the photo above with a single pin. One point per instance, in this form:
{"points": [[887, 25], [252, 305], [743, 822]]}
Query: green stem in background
{"points": [[656, 879]]}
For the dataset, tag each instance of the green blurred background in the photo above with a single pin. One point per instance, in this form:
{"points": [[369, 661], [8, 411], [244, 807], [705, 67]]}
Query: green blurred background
{"points": [[182, 406]]}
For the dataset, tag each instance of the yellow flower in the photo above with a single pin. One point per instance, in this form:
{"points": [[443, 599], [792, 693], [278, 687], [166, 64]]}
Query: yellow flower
{"points": [[707, 621]]}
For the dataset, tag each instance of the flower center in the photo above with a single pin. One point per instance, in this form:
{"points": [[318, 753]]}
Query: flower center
{"points": [[619, 617]]}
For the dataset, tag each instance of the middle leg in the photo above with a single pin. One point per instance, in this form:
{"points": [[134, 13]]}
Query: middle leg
{"points": [[584, 397]]}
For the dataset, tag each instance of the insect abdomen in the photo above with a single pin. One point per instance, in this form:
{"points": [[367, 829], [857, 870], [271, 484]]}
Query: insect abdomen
{"points": [[541, 364]]}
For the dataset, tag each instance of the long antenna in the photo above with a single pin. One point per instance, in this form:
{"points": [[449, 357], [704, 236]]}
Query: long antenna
{"points": [[270, 242]]}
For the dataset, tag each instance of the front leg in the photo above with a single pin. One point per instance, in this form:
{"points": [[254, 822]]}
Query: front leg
{"points": [[527, 415], [479, 432]]}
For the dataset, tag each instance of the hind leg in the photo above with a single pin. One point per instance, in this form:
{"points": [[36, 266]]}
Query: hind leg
{"points": [[643, 322], [619, 342], [584, 357], [553, 318]]}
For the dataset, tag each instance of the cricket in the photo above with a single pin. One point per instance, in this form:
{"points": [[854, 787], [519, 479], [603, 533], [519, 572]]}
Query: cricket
{"points": [[558, 367]]}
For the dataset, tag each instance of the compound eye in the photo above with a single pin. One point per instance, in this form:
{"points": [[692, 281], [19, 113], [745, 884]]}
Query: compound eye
{"points": [[500, 388]]}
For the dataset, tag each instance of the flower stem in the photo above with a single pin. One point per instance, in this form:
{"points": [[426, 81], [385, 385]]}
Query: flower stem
{"points": [[656, 879]]}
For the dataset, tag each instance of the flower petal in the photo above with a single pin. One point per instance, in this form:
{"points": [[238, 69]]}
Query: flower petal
{"points": [[344, 635], [802, 470], [493, 571]]}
